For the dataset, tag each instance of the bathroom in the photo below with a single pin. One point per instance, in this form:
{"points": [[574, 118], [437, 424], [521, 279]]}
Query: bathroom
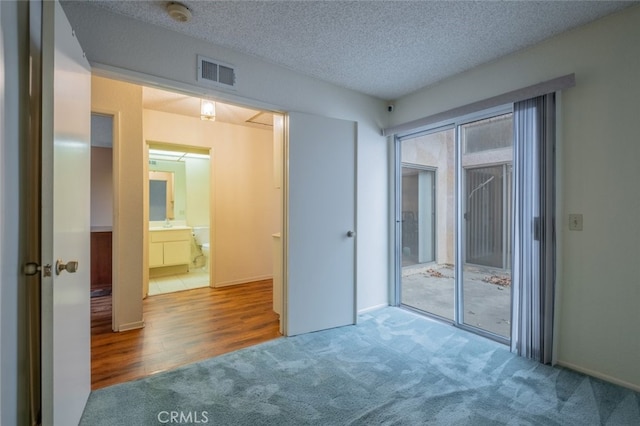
{"points": [[178, 218]]}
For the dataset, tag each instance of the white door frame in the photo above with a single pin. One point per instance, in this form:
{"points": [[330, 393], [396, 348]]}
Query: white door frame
{"points": [[133, 77], [145, 194], [115, 205]]}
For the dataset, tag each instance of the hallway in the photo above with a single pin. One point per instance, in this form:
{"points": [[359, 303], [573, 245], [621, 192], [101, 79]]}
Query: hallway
{"points": [[180, 328]]}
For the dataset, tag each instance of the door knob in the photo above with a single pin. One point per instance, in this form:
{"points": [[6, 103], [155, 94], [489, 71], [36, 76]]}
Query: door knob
{"points": [[351, 234], [71, 266]]}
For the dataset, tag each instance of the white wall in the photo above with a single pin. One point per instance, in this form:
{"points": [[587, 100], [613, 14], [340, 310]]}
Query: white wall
{"points": [[245, 199], [115, 41], [198, 186], [599, 279], [13, 106]]}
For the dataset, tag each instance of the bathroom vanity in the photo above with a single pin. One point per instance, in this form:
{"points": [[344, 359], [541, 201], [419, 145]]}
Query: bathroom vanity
{"points": [[169, 246]]}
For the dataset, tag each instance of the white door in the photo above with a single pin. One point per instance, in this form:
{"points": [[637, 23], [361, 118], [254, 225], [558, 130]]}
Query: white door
{"points": [[66, 362], [320, 237]]}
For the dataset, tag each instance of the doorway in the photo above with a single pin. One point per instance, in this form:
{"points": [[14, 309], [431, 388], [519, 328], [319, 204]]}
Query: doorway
{"points": [[249, 203], [418, 215], [454, 217], [179, 194], [303, 140], [101, 204]]}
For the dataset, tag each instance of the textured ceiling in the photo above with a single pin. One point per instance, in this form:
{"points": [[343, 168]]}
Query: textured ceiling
{"points": [[386, 49]]}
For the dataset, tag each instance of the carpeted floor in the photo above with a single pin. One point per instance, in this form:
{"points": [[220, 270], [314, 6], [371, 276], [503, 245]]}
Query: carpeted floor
{"points": [[394, 367]]}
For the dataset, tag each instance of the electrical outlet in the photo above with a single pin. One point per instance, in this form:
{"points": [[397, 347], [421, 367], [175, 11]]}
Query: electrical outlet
{"points": [[575, 222]]}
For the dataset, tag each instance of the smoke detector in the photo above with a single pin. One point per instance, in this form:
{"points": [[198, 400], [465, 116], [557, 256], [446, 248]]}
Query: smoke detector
{"points": [[179, 12]]}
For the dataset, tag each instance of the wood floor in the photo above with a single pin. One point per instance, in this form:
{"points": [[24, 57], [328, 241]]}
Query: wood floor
{"points": [[180, 328]]}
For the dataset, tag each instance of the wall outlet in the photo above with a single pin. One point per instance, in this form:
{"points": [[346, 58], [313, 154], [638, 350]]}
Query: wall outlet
{"points": [[575, 222]]}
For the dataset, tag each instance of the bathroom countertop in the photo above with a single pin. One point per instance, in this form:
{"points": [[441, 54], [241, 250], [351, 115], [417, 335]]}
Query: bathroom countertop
{"points": [[171, 228]]}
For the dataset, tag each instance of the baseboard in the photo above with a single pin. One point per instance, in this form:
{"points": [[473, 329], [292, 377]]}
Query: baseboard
{"points": [[372, 308], [243, 281], [599, 375], [131, 326]]}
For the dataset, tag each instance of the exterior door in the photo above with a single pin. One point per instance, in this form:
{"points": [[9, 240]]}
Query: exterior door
{"points": [[425, 218], [320, 230], [66, 109], [468, 281]]}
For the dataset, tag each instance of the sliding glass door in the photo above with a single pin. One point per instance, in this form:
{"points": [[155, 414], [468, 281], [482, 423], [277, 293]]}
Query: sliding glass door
{"points": [[486, 173], [426, 223], [454, 212]]}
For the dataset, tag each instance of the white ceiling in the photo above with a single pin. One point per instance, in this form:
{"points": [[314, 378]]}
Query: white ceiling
{"points": [[386, 49]]}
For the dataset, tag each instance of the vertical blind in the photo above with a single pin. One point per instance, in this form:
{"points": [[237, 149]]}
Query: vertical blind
{"points": [[533, 228]]}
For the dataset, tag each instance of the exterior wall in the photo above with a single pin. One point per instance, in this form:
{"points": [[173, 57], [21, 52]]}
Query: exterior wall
{"points": [[598, 277], [437, 150]]}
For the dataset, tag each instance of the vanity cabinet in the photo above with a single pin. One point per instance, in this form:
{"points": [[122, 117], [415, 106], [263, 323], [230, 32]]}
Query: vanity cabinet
{"points": [[169, 247]]}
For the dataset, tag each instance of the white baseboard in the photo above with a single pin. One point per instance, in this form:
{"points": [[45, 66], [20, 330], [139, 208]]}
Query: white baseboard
{"points": [[372, 308], [243, 281], [131, 326], [599, 375]]}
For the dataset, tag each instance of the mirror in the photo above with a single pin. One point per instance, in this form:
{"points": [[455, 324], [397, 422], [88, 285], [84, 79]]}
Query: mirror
{"points": [[161, 196], [167, 189]]}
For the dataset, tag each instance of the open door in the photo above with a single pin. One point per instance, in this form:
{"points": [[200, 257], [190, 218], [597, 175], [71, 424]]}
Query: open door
{"points": [[65, 238], [321, 224]]}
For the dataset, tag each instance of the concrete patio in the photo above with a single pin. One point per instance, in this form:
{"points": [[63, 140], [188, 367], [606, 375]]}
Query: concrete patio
{"points": [[487, 294]]}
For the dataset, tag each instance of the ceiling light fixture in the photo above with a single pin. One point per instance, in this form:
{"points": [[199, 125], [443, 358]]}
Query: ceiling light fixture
{"points": [[179, 12], [207, 110]]}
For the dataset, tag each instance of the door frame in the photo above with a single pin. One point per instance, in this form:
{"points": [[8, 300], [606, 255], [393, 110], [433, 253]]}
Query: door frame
{"points": [[133, 77], [145, 195], [434, 171], [459, 234], [115, 206]]}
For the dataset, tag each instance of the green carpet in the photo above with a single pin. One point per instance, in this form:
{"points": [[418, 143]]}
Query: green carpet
{"points": [[394, 367]]}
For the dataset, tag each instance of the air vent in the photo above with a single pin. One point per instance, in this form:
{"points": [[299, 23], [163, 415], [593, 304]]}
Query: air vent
{"points": [[214, 73]]}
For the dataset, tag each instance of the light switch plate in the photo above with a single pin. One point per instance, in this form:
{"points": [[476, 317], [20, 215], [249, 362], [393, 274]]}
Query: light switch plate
{"points": [[575, 222]]}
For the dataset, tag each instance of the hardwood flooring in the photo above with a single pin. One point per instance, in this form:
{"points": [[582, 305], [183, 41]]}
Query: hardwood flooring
{"points": [[180, 328]]}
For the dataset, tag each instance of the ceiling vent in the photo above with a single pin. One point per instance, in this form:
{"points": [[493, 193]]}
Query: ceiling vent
{"points": [[214, 73]]}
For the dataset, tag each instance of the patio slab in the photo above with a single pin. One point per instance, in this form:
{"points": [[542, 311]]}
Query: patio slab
{"points": [[487, 305]]}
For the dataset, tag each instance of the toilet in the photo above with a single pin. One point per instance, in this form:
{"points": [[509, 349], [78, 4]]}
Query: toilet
{"points": [[201, 235]]}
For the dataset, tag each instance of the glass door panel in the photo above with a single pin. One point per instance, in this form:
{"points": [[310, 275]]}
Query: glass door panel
{"points": [[486, 175], [427, 212]]}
